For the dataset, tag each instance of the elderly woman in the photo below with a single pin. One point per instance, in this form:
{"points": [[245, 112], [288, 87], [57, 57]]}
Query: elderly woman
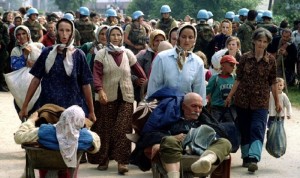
{"points": [[67, 135], [179, 67], [147, 58], [24, 54], [256, 74], [112, 80], [64, 74], [91, 48]]}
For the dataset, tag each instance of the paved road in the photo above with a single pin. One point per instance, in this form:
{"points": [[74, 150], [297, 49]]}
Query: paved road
{"points": [[12, 159]]}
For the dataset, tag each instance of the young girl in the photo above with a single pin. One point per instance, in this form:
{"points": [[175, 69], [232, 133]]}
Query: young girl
{"points": [[283, 99], [219, 87]]}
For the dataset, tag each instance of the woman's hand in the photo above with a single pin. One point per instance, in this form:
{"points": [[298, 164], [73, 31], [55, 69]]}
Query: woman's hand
{"points": [[140, 81], [228, 101], [92, 117], [102, 97], [23, 114]]}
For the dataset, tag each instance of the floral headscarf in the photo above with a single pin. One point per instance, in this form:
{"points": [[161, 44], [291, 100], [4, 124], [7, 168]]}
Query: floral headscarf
{"points": [[67, 133]]}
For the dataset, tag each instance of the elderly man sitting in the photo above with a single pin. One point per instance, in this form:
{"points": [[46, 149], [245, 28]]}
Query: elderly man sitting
{"points": [[170, 135]]}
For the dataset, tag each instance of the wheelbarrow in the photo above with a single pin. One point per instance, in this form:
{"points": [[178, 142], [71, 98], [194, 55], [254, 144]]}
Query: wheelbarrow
{"points": [[41, 158]]}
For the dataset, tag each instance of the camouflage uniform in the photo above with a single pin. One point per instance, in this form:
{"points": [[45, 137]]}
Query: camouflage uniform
{"points": [[269, 26], [166, 25], [137, 36], [86, 29], [4, 58], [34, 28], [244, 33], [204, 36]]}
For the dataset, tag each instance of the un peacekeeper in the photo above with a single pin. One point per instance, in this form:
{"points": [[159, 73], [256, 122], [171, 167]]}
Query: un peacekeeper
{"points": [[243, 13], [135, 35], [205, 32], [111, 17], [34, 26], [267, 23], [246, 30], [85, 26], [166, 23]]}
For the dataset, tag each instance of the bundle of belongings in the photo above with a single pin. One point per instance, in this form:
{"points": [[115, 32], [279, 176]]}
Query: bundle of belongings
{"points": [[56, 128]]}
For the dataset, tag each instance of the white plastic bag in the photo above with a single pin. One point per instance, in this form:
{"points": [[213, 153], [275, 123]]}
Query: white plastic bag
{"points": [[18, 82]]}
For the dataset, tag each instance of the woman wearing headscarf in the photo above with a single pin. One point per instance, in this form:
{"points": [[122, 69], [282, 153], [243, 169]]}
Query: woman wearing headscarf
{"points": [[24, 54], [67, 135], [112, 80], [179, 67], [64, 74], [91, 48], [147, 58]]}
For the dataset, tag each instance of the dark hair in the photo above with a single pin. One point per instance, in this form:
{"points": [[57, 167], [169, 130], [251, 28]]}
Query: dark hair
{"points": [[252, 15], [94, 14], [22, 10], [284, 24]]}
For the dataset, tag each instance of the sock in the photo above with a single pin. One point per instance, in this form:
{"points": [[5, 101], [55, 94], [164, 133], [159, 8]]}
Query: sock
{"points": [[203, 165], [174, 174]]}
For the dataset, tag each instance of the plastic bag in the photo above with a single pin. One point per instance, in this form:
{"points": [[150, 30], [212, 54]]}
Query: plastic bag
{"points": [[276, 139], [18, 82]]}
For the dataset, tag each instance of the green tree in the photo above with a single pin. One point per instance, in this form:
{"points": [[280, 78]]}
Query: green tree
{"points": [[288, 9], [65, 5], [181, 8]]}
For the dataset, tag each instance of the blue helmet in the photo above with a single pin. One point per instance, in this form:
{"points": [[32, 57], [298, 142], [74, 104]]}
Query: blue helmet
{"points": [[84, 11], [236, 18], [111, 13], [259, 17], [137, 14], [267, 14], [68, 16], [165, 9], [202, 15], [260, 11], [243, 12], [210, 14], [229, 15], [32, 11]]}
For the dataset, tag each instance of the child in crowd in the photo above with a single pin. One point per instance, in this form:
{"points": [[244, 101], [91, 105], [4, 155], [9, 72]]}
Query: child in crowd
{"points": [[284, 101], [207, 72], [219, 87]]}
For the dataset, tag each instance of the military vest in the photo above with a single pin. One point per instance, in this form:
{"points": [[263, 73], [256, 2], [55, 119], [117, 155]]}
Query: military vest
{"points": [[34, 28], [165, 25], [86, 30], [137, 35], [204, 35]]}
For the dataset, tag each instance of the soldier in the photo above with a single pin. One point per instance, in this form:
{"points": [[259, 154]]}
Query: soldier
{"points": [[36, 29], [4, 40], [205, 32], [85, 26], [245, 31], [267, 23], [235, 25], [243, 14], [166, 23], [135, 35], [111, 17]]}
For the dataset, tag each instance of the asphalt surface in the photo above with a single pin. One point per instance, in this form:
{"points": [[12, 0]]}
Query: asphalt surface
{"points": [[12, 156]]}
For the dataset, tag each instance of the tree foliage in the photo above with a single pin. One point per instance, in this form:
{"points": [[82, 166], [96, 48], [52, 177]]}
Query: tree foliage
{"points": [[181, 8], [65, 5], [288, 9]]}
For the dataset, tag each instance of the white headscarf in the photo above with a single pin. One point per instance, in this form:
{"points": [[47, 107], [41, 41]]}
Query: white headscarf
{"points": [[109, 46], [26, 29], [67, 133], [68, 61]]}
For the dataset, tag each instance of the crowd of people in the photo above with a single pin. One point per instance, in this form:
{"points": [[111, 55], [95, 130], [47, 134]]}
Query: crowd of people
{"points": [[233, 67]]}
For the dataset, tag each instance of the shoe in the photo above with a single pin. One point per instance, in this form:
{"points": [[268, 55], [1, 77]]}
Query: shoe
{"points": [[103, 167], [122, 168], [252, 167], [246, 162]]}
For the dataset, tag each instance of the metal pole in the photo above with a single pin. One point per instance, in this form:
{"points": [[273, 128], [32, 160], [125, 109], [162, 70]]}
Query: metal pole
{"points": [[270, 4]]}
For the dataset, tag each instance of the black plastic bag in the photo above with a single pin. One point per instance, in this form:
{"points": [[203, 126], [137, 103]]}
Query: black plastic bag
{"points": [[276, 138]]}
